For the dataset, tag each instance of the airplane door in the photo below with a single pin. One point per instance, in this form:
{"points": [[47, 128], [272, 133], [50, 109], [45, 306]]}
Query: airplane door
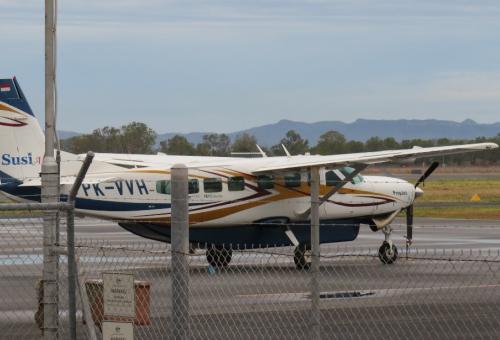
{"points": [[304, 203], [323, 190]]}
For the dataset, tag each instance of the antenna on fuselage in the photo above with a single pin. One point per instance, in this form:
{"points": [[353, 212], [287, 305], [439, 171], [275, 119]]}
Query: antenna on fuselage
{"points": [[288, 154], [260, 153]]}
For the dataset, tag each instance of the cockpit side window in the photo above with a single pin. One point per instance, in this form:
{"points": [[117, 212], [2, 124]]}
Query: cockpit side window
{"points": [[332, 179]]}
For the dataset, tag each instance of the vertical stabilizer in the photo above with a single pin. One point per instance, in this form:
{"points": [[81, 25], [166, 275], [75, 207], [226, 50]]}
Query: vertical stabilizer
{"points": [[21, 138]]}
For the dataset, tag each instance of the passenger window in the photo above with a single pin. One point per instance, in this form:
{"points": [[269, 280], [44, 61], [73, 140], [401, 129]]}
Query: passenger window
{"points": [[212, 185], [236, 183], [193, 186], [265, 182], [332, 179], [292, 180], [163, 187]]}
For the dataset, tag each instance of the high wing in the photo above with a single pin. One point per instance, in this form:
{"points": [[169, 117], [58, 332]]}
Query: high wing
{"points": [[367, 158], [270, 164], [159, 160]]}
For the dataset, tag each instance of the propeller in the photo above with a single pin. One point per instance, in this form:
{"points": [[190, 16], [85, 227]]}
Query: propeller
{"points": [[409, 209]]}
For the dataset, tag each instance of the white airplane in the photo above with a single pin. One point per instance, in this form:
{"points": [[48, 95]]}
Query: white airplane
{"points": [[233, 202]]}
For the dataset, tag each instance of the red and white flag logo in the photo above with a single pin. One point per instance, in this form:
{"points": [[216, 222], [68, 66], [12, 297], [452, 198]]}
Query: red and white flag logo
{"points": [[4, 87]]}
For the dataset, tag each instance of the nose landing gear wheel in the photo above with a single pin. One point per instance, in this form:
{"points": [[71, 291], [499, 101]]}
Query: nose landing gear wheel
{"points": [[386, 254], [302, 256], [219, 257]]}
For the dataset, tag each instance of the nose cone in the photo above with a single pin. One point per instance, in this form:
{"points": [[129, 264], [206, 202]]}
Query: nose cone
{"points": [[418, 192]]}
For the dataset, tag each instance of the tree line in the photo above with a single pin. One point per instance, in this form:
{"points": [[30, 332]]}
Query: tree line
{"points": [[138, 138]]}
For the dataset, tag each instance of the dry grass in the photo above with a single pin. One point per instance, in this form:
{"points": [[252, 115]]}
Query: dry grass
{"points": [[461, 190], [472, 213]]}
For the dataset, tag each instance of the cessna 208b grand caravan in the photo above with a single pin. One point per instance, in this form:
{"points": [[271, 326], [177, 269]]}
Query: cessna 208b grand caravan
{"points": [[242, 202]]}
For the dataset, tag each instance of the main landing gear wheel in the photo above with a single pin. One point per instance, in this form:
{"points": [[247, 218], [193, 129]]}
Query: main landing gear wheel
{"points": [[302, 256], [218, 256], [387, 254]]}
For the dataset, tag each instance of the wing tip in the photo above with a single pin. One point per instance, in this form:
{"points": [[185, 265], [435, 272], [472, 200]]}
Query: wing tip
{"points": [[488, 146]]}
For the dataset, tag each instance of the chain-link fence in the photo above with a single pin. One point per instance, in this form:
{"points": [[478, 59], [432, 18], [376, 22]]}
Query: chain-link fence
{"points": [[431, 293], [21, 286], [21, 273], [262, 295]]}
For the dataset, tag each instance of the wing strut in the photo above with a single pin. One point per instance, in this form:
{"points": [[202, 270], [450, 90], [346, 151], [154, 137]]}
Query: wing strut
{"points": [[291, 236], [261, 151]]}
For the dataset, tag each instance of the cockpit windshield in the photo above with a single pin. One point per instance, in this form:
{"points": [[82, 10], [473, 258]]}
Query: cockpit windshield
{"points": [[347, 170]]}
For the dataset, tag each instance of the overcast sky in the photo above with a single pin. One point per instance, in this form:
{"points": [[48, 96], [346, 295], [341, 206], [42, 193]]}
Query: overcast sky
{"points": [[201, 65]]}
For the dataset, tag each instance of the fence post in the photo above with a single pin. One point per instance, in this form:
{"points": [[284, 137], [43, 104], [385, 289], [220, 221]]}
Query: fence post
{"points": [[50, 184], [315, 311], [70, 224], [180, 249]]}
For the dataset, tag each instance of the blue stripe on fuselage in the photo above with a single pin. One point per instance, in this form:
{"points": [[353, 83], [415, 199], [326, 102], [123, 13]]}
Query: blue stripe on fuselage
{"points": [[98, 205], [32, 193]]}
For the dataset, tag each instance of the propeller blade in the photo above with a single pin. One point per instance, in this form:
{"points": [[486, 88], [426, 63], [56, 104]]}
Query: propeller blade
{"points": [[409, 227], [409, 223], [427, 173]]}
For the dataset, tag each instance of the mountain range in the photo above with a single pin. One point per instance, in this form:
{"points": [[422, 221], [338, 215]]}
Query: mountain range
{"points": [[361, 130]]}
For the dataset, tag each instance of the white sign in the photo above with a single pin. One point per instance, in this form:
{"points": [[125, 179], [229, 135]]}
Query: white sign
{"points": [[119, 295], [117, 330]]}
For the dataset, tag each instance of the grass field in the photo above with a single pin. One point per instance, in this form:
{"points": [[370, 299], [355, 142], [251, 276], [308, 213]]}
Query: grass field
{"points": [[461, 190], [471, 213]]}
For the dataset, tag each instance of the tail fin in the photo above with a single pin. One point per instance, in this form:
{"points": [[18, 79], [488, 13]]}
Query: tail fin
{"points": [[21, 138]]}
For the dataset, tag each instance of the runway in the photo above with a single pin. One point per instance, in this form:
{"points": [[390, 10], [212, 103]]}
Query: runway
{"points": [[429, 233], [448, 287]]}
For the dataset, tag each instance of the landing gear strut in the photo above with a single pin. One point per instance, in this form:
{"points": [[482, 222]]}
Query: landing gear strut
{"points": [[219, 256], [388, 252], [302, 256]]}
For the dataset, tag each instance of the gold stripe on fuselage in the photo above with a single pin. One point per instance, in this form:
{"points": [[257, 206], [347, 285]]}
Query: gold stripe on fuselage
{"points": [[283, 193], [4, 107]]}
